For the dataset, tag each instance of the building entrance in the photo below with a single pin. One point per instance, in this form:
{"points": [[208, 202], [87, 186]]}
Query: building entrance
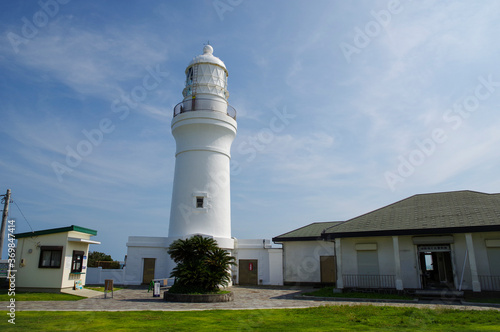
{"points": [[148, 272], [248, 272], [436, 268]]}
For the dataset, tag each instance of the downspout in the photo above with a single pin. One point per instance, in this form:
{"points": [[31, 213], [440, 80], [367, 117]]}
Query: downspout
{"points": [[463, 270]]}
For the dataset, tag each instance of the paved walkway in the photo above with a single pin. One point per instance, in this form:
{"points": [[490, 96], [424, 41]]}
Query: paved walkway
{"points": [[130, 299]]}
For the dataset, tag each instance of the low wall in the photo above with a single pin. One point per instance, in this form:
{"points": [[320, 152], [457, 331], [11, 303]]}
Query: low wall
{"points": [[198, 298], [97, 275]]}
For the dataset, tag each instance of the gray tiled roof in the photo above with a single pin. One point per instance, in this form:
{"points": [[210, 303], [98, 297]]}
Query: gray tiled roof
{"points": [[459, 211], [307, 233]]}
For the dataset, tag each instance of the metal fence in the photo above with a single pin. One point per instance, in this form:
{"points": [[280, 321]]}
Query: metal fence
{"points": [[368, 281], [491, 283], [202, 104]]}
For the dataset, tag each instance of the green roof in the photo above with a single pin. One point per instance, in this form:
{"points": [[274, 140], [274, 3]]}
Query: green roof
{"points": [[310, 232], [57, 230], [448, 212]]}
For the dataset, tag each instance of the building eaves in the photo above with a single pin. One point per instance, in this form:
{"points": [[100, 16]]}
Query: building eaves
{"points": [[311, 232], [57, 230]]}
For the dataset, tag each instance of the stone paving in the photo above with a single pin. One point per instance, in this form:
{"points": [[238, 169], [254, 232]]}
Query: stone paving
{"points": [[131, 299]]}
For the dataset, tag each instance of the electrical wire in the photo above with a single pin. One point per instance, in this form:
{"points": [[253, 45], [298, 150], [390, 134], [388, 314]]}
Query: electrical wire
{"points": [[23, 215]]}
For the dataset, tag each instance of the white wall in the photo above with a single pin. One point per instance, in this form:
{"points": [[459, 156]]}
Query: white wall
{"points": [[301, 260], [409, 264], [97, 275], [269, 260], [140, 247], [30, 275]]}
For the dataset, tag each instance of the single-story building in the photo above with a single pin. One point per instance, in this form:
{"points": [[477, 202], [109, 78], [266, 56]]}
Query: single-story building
{"points": [[52, 259], [447, 240], [307, 258]]}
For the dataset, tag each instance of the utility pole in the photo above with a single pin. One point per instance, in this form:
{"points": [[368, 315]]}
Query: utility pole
{"points": [[4, 219]]}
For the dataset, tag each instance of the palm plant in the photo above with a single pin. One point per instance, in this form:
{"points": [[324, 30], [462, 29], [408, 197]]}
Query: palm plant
{"points": [[201, 265]]}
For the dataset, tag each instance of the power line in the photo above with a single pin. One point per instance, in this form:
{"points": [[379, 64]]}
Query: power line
{"points": [[22, 215]]}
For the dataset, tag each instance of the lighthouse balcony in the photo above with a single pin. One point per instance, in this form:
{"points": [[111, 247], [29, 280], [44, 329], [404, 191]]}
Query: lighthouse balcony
{"points": [[201, 104]]}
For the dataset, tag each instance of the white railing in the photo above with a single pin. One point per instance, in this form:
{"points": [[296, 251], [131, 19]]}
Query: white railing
{"points": [[200, 104]]}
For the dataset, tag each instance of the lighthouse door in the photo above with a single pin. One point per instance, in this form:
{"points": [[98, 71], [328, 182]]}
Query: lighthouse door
{"points": [[248, 272]]}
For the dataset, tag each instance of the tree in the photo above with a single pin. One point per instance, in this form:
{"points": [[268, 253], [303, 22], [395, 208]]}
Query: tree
{"points": [[96, 256], [201, 265]]}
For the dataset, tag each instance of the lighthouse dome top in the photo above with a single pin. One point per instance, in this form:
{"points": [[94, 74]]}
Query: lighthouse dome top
{"points": [[207, 57]]}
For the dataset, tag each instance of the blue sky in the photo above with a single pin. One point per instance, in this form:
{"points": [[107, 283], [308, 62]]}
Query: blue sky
{"points": [[343, 107]]}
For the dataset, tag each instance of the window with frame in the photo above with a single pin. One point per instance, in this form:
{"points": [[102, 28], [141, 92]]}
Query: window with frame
{"points": [[77, 261], [199, 202], [50, 257]]}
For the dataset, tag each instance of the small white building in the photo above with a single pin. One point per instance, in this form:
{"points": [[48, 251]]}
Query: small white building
{"points": [[258, 263], [204, 127], [440, 241], [52, 259]]}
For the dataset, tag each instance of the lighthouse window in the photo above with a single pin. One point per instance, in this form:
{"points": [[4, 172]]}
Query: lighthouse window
{"points": [[199, 202], [189, 76]]}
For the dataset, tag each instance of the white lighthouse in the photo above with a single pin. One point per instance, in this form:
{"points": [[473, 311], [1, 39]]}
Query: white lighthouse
{"points": [[204, 127]]}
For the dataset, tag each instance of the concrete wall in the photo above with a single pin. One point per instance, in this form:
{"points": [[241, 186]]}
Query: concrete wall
{"points": [[384, 250], [409, 265], [301, 260], [97, 275]]}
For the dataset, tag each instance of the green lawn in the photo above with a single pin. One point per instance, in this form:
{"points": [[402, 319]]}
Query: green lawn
{"points": [[483, 300], [328, 292], [28, 296], [330, 318], [101, 289]]}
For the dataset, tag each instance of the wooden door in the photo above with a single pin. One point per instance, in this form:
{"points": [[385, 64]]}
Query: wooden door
{"points": [[148, 272], [248, 272], [328, 269]]}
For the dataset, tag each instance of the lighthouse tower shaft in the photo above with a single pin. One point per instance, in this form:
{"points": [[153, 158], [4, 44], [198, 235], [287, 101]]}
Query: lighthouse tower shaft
{"points": [[204, 127]]}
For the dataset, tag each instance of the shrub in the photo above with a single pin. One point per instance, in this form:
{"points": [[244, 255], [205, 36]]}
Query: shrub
{"points": [[201, 265]]}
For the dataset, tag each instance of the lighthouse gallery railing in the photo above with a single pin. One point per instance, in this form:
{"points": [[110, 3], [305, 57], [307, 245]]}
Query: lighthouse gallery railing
{"points": [[200, 104]]}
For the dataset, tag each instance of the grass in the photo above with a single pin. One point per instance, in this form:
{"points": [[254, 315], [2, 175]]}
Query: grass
{"points": [[483, 300], [35, 296], [329, 318], [101, 289], [328, 292], [204, 293]]}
